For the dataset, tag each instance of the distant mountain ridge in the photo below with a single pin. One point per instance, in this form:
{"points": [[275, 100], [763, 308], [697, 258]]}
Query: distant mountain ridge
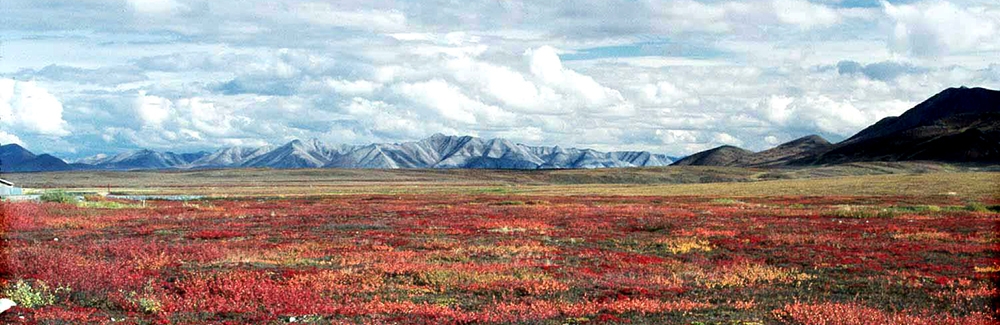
{"points": [[437, 151], [142, 159], [957, 125], [14, 158]]}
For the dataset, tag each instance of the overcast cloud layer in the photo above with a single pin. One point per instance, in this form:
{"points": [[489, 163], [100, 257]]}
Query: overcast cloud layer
{"points": [[80, 77]]}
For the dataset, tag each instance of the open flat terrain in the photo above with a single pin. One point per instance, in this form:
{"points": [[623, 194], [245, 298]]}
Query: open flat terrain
{"points": [[876, 178], [862, 244]]}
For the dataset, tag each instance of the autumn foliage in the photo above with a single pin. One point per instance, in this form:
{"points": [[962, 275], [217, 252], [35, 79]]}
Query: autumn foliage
{"points": [[463, 259]]}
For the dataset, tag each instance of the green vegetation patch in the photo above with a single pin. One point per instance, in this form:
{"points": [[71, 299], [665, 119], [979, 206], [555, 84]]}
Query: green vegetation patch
{"points": [[28, 295], [58, 196], [107, 205]]}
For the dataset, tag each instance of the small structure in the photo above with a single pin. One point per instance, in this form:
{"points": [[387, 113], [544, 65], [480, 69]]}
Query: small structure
{"points": [[8, 189]]}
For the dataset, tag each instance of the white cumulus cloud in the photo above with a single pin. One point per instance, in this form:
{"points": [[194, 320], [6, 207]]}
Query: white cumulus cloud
{"points": [[819, 112], [935, 27], [28, 108], [356, 87], [444, 99], [7, 138], [505, 85], [153, 110], [548, 68], [804, 13]]}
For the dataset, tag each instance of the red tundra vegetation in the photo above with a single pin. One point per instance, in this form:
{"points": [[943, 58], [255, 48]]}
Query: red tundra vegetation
{"points": [[463, 259]]}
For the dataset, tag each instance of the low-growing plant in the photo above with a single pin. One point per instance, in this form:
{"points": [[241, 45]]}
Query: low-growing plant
{"points": [[491, 190], [685, 245], [727, 201], [106, 205], [510, 203], [917, 208], [57, 196], [146, 301], [864, 213], [977, 207], [457, 259], [32, 295]]}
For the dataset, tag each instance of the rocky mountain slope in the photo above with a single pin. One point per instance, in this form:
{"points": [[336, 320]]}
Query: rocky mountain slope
{"points": [[437, 151]]}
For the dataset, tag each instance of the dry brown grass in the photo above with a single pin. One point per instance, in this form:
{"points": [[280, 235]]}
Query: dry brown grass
{"points": [[972, 185], [871, 179]]}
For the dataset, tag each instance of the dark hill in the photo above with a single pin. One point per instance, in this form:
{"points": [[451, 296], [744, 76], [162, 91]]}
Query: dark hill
{"points": [[44, 162], [956, 125], [790, 151], [14, 154], [733, 156], [720, 156], [951, 102], [14, 158]]}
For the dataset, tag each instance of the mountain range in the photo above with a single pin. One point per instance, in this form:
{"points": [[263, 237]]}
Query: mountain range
{"points": [[14, 158], [957, 125], [437, 151], [783, 154]]}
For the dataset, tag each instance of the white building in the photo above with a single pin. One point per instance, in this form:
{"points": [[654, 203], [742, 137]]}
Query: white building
{"points": [[8, 189]]}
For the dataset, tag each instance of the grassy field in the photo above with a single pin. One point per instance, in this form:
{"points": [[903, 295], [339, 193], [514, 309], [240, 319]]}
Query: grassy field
{"points": [[921, 179], [970, 185]]}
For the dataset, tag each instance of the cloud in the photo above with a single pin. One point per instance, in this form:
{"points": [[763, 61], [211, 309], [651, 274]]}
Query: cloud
{"points": [[448, 102], [662, 61], [805, 14], [726, 138], [155, 7], [28, 108], [666, 76], [7, 138], [882, 71], [385, 120], [742, 17], [440, 97], [190, 61], [201, 116], [326, 14], [691, 141], [548, 68], [356, 87], [663, 93], [281, 72], [107, 76], [506, 86], [688, 15], [153, 110], [934, 27], [814, 112], [258, 85]]}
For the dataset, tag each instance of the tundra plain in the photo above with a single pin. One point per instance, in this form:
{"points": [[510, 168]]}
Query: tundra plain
{"points": [[880, 243]]}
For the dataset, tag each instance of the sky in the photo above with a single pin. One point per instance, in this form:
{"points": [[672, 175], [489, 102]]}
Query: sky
{"points": [[82, 77]]}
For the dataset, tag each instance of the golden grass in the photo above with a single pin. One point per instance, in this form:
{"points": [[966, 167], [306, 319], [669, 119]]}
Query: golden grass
{"points": [[977, 184], [292, 183]]}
